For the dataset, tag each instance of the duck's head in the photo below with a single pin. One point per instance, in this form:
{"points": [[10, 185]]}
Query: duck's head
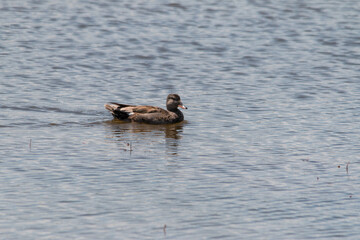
{"points": [[173, 101]]}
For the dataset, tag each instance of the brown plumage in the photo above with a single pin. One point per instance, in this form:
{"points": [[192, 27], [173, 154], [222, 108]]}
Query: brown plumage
{"points": [[149, 114]]}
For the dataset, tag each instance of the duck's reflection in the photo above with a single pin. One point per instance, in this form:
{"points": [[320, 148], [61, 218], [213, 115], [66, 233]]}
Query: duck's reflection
{"points": [[124, 132]]}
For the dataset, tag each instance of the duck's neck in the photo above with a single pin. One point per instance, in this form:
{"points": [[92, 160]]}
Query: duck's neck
{"points": [[178, 112]]}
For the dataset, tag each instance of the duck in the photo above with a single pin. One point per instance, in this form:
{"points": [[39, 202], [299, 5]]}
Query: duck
{"points": [[149, 114]]}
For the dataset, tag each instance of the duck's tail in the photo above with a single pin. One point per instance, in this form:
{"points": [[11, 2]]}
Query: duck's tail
{"points": [[115, 109], [111, 107]]}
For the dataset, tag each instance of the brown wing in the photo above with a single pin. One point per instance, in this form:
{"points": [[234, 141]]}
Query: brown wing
{"points": [[149, 114], [145, 109]]}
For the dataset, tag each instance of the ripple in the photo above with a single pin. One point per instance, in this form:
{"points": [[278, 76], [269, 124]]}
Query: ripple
{"points": [[176, 5]]}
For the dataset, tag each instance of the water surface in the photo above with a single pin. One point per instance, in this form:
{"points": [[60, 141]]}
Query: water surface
{"points": [[269, 148]]}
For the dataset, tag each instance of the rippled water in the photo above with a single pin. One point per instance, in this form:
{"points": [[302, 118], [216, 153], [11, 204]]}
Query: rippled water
{"points": [[269, 149]]}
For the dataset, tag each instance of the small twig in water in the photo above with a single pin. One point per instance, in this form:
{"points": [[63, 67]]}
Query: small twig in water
{"points": [[164, 229], [347, 168], [130, 146]]}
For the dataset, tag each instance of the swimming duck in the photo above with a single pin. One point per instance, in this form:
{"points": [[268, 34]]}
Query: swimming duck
{"points": [[149, 114]]}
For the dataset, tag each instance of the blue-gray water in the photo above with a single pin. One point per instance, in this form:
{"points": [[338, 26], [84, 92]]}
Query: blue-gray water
{"points": [[270, 147]]}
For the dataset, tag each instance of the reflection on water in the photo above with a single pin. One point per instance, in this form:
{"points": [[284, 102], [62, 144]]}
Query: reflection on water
{"points": [[169, 130], [124, 132]]}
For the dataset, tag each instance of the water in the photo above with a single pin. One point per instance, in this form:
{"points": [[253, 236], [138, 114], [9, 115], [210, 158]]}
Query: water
{"points": [[269, 149]]}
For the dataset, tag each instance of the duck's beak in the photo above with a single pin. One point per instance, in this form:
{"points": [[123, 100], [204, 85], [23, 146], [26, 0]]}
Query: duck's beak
{"points": [[182, 106]]}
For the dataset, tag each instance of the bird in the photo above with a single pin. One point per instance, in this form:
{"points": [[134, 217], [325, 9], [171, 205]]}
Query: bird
{"points": [[149, 114]]}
